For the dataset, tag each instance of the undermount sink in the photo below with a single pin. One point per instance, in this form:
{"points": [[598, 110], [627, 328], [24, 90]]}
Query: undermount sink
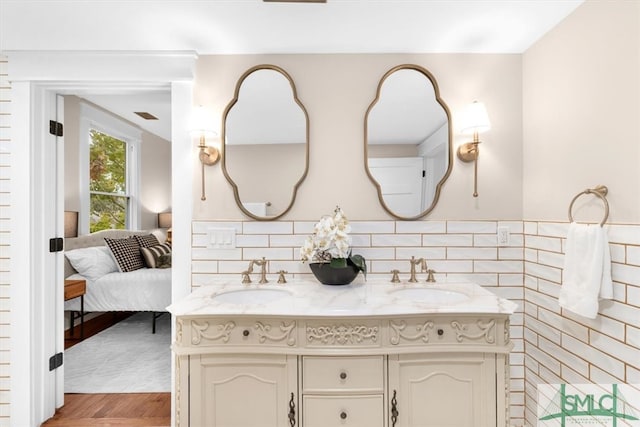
{"points": [[251, 296], [435, 296]]}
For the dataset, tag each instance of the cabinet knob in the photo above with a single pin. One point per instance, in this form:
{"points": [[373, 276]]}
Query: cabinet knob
{"points": [[245, 332], [440, 332], [343, 375], [343, 415]]}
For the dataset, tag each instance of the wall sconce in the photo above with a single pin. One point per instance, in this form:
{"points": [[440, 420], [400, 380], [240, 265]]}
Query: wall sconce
{"points": [[70, 224], [202, 129], [474, 120]]}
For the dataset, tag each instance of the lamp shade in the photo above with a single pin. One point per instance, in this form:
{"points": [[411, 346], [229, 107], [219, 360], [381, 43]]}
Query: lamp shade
{"points": [[164, 220], [201, 123], [474, 119], [70, 224]]}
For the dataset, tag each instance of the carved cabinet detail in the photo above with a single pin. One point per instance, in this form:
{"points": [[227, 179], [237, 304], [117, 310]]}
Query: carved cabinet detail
{"points": [[370, 371]]}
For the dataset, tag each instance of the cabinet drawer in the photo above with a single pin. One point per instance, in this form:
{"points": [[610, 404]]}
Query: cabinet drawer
{"points": [[242, 332], [340, 411], [339, 374]]}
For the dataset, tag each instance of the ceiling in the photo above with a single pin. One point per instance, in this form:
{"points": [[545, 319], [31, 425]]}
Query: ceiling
{"points": [[255, 27]]}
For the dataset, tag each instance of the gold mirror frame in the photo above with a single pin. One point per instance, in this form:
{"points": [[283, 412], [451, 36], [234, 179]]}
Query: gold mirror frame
{"points": [[438, 188], [236, 193]]}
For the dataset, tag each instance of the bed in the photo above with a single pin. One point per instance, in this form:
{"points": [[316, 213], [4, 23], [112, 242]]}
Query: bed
{"points": [[110, 287]]}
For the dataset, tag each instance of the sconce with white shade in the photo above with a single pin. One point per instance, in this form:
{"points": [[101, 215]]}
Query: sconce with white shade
{"points": [[474, 120], [202, 128]]}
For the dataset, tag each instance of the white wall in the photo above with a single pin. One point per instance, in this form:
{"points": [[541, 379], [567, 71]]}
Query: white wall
{"points": [[582, 113], [336, 91], [581, 128], [155, 179]]}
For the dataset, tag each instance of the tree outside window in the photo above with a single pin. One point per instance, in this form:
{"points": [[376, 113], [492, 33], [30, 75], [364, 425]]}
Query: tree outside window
{"points": [[109, 195]]}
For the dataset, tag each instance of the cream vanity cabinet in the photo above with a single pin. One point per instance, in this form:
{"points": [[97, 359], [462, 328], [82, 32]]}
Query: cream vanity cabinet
{"points": [[443, 389], [242, 390], [379, 371]]}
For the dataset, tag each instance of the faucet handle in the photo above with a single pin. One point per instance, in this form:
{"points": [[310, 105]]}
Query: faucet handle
{"points": [[430, 277], [246, 279], [394, 277], [281, 278]]}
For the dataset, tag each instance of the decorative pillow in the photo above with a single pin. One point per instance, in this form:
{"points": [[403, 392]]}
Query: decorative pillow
{"points": [[147, 240], [152, 254], [126, 253], [164, 261], [93, 262]]}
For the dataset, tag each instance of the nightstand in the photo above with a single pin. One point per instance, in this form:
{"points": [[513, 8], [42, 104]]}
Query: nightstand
{"points": [[75, 289]]}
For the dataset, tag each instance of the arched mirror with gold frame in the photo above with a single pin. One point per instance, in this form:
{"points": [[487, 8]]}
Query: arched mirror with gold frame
{"points": [[265, 142], [408, 142]]}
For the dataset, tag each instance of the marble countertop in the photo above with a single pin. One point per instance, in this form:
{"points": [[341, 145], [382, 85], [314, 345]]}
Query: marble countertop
{"points": [[312, 299]]}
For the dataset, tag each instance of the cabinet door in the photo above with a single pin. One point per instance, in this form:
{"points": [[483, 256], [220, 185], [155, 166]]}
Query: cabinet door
{"points": [[243, 391], [442, 390]]}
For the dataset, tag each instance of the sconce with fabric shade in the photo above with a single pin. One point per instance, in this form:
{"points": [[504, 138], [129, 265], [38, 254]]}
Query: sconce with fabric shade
{"points": [[474, 120], [201, 128], [70, 224]]}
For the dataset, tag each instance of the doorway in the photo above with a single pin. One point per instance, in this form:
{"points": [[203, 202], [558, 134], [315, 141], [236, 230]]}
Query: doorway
{"points": [[36, 79], [117, 175]]}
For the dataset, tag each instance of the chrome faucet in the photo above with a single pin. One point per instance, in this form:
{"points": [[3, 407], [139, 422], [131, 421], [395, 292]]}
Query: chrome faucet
{"points": [[262, 263], [423, 266]]}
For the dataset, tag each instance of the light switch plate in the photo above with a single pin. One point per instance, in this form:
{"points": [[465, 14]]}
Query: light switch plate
{"points": [[221, 238]]}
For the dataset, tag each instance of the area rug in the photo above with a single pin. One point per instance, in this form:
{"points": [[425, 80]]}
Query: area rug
{"points": [[125, 358]]}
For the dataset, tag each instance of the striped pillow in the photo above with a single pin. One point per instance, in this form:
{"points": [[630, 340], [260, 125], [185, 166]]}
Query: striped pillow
{"points": [[126, 253], [152, 254]]}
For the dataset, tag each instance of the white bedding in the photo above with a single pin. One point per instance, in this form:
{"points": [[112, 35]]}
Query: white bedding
{"points": [[147, 289]]}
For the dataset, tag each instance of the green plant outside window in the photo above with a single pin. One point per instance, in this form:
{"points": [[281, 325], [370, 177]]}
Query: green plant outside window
{"points": [[109, 198]]}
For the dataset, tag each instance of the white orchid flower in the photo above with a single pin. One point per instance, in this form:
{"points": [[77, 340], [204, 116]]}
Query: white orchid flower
{"points": [[330, 238]]}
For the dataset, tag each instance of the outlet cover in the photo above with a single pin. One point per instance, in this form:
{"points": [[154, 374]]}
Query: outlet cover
{"points": [[503, 236]]}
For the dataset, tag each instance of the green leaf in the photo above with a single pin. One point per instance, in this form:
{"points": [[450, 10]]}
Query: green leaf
{"points": [[338, 262], [360, 262]]}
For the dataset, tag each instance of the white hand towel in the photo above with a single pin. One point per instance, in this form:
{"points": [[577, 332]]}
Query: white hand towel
{"points": [[587, 270]]}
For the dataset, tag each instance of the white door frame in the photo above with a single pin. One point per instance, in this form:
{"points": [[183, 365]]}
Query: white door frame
{"points": [[34, 76]]}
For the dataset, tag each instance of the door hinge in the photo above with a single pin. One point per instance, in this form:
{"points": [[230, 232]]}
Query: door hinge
{"points": [[56, 244], [55, 361], [55, 128], [424, 173]]}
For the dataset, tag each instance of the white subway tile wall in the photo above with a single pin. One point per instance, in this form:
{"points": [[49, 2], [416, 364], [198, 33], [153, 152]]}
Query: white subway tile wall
{"points": [[566, 348], [5, 246], [456, 250], [550, 345]]}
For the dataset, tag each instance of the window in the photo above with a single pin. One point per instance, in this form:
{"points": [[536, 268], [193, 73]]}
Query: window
{"points": [[109, 198], [109, 172]]}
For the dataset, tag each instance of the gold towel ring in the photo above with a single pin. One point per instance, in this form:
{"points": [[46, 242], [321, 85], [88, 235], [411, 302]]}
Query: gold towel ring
{"points": [[600, 191]]}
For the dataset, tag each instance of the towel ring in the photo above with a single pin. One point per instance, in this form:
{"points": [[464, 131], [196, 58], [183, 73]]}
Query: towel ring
{"points": [[600, 191]]}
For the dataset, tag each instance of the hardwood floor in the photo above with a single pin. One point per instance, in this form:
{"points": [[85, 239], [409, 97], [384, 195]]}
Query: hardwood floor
{"points": [[130, 409], [135, 409]]}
